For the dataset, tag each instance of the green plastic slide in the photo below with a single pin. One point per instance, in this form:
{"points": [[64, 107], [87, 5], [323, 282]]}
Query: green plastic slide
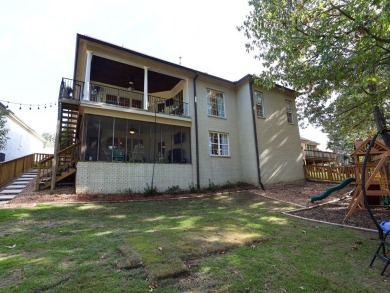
{"points": [[330, 190]]}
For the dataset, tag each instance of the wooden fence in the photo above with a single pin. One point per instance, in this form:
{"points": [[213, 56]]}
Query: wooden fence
{"points": [[328, 174], [13, 168]]}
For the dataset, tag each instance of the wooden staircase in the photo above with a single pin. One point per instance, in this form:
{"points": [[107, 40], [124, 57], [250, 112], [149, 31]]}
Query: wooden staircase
{"points": [[69, 150], [68, 125]]}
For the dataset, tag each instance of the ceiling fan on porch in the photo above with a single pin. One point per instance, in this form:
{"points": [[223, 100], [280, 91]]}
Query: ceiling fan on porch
{"points": [[133, 82], [131, 85]]}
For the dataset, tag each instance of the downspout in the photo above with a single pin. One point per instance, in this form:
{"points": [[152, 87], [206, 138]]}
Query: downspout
{"points": [[255, 134], [196, 134]]}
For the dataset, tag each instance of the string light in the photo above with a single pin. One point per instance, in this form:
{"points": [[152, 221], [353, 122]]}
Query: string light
{"points": [[29, 106]]}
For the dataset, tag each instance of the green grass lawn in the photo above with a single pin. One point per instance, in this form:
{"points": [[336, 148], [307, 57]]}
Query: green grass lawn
{"points": [[228, 243]]}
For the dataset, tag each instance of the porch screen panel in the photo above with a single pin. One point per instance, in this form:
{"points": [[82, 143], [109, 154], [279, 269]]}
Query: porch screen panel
{"points": [[92, 128], [119, 149], [106, 142], [136, 141], [125, 140]]}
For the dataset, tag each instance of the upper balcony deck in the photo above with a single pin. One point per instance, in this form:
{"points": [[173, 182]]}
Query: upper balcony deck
{"points": [[74, 90], [311, 156]]}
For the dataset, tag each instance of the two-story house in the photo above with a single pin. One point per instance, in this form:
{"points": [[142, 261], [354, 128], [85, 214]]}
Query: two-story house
{"points": [[128, 121]]}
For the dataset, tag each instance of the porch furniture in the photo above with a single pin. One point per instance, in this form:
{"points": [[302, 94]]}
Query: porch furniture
{"points": [[137, 154], [176, 156]]}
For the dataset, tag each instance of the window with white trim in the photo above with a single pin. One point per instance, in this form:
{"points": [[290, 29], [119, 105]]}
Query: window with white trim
{"points": [[219, 144], [259, 104], [215, 103], [289, 112]]}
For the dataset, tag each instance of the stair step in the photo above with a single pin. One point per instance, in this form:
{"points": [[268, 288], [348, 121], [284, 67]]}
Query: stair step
{"points": [[6, 197], [11, 191], [21, 182], [16, 186]]}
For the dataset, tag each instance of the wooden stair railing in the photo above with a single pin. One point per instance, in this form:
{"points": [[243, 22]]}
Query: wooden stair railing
{"points": [[67, 160]]}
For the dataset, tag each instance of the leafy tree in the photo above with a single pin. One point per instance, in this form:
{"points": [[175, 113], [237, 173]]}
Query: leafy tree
{"points": [[335, 53], [49, 137], [3, 131]]}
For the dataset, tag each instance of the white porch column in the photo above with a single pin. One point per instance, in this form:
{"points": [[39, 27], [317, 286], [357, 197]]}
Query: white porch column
{"points": [[87, 76], [145, 88]]}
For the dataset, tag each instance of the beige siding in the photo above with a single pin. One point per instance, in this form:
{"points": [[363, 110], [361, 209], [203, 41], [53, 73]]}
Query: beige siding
{"points": [[279, 141], [246, 135], [218, 170]]}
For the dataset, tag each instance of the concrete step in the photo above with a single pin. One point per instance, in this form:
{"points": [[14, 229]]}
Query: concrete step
{"points": [[25, 179], [6, 197], [16, 186], [11, 191], [21, 182]]}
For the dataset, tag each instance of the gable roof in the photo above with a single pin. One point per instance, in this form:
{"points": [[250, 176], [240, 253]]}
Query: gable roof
{"points": [[309, 141], [361, 146]]}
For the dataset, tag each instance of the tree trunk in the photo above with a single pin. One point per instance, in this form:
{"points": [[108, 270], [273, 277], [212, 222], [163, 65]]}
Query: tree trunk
{"points": [[380, 122]]}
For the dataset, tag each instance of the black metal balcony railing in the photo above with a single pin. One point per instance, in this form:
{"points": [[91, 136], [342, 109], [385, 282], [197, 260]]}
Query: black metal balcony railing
{"points": [[74, 90]]}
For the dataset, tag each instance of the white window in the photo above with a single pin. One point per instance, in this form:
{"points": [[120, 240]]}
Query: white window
{"points": [[219, 144], [289, 112], [215, 103], [259, 104]]}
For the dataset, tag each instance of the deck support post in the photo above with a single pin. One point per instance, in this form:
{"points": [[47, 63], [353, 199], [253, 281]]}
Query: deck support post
{"points": [[145, 104], [87, 78]]}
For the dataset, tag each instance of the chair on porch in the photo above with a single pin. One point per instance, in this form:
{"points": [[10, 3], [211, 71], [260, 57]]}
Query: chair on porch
{"points": [[384, 226], [138, 153]]}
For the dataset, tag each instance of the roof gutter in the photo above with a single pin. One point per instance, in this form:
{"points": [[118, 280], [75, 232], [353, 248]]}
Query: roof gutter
{"points": [[255, 134], [196, 134]]}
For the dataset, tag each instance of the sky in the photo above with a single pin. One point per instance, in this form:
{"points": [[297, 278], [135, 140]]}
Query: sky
{"points": [[38, 39]]}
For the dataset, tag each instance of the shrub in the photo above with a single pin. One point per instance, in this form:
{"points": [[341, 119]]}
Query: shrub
{"points": [[128, 191], [212, 186], [150, 190], [175, 189]]}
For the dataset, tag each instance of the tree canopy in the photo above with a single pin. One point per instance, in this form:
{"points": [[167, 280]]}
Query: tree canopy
{"points": [[49, 137], [336, 54], [3, 131]]}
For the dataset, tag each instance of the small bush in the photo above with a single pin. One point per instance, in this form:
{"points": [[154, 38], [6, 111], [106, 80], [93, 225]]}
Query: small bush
{"points": [[175, 189], [212, 186], [228, 185], [150, 190], [193, 189], [128, 191]]}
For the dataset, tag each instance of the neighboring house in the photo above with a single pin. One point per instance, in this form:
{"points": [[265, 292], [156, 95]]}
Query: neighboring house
{"points": [[143, 122], [23, 140], [313, 156]]}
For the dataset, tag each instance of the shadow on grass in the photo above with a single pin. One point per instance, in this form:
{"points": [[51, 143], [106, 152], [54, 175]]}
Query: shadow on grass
{"points": [[93, 247]]}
